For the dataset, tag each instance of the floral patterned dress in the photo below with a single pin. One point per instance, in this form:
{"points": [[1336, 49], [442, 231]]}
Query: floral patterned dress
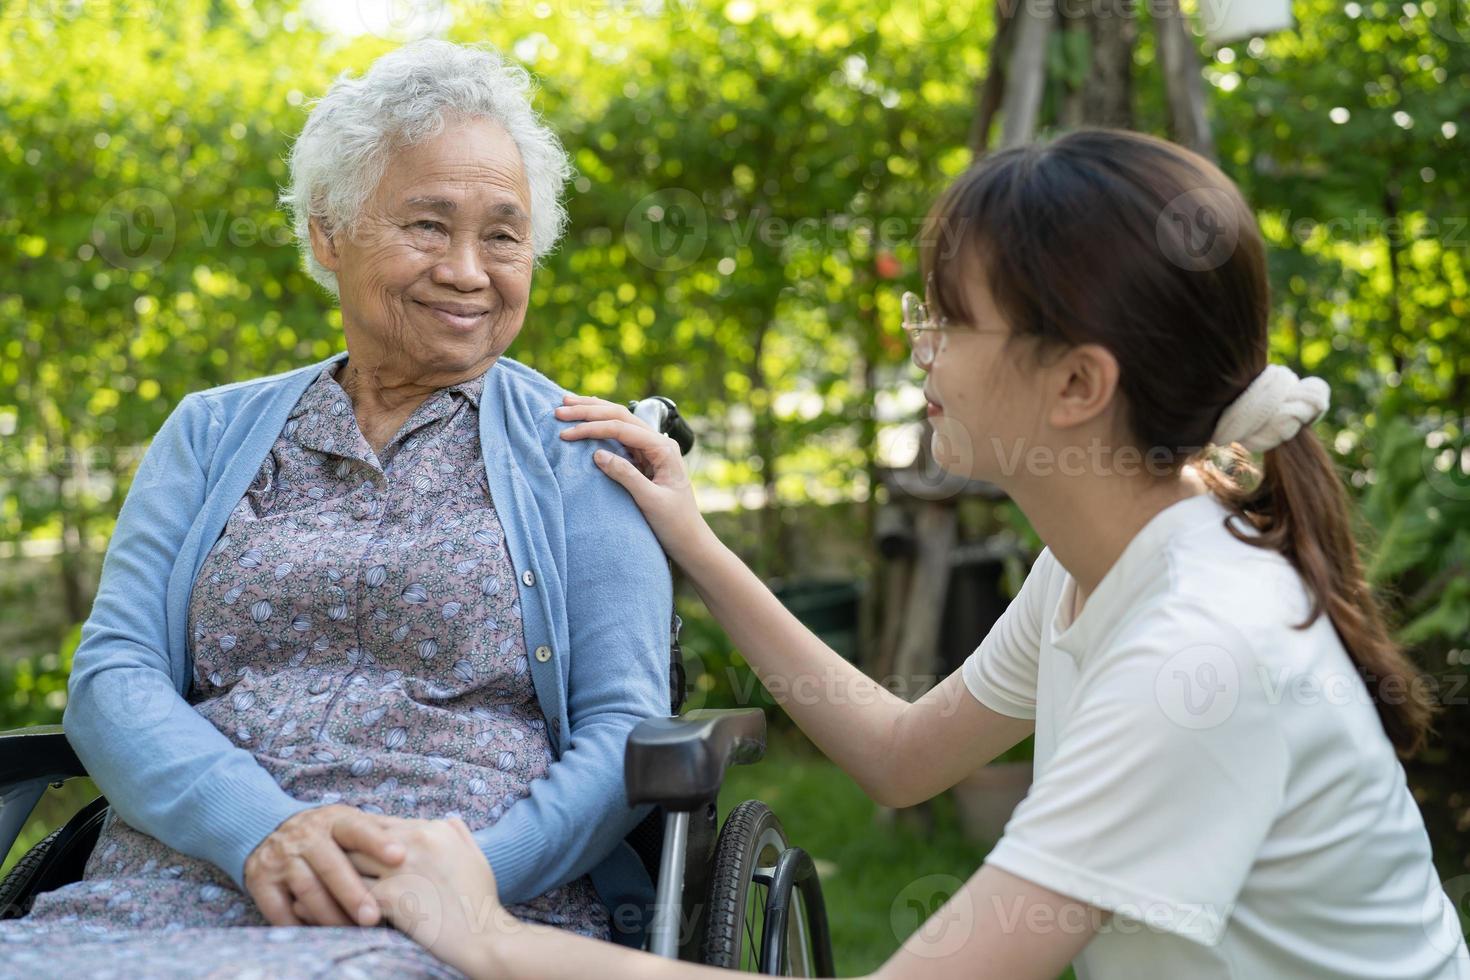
{"points": [[356, 627]]}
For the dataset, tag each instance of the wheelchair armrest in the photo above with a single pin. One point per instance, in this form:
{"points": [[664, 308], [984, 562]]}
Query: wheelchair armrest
{"points": [[680, 762], [38, 752]]}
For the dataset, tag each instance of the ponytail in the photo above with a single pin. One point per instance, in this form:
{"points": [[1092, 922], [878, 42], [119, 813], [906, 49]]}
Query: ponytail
{"points": [[1299, 508], [1189, 333]]}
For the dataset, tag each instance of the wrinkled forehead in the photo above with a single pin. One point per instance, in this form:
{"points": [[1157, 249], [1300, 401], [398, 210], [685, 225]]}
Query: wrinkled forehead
{"points": [[473, 167]]}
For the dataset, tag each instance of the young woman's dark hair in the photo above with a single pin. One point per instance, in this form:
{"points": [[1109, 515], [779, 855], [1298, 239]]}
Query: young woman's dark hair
{"points": [[1124, 240]]}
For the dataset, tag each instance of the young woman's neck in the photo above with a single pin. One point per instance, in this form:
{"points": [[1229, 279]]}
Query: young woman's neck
{"points": [[1087, 521]]}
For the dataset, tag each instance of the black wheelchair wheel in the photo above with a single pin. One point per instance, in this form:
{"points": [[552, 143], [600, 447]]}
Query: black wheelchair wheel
{"points": [[749, 848]]}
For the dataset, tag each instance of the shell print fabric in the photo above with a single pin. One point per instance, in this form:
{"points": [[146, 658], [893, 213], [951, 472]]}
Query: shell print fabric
{"points": [[356, 628]]}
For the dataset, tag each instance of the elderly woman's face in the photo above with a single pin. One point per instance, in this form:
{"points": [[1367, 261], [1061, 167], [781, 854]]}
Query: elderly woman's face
{"points": [[435, 279]]}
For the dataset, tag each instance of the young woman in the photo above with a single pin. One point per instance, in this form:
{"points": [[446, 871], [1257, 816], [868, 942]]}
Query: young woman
{"points": [[1218, 707]]}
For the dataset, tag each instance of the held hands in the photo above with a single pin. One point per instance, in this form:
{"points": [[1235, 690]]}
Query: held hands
{"points": [[301, 875], [427, 878], [656, 478], [441, 894]]}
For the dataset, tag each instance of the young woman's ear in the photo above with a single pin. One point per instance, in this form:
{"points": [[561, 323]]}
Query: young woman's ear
{"points": [[1085, 379]]}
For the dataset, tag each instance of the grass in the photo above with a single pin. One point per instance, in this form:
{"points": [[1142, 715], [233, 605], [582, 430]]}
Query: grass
{"points": [[882, 872]]}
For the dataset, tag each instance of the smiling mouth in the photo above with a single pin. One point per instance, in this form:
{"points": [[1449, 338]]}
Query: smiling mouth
{"points": [[461, 320]]}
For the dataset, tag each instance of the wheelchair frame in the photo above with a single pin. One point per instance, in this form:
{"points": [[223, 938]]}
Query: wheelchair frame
{"points": [[676, 763]]}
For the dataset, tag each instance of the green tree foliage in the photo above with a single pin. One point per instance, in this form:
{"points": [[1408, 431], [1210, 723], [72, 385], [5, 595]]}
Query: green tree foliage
{"points": [[752, 179]]}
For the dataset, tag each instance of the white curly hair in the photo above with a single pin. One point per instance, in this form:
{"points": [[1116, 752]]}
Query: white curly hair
{"points": [[404, 98]]}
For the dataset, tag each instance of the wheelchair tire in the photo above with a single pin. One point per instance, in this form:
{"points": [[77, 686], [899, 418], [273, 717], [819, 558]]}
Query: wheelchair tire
{"points": [[749, 845]]}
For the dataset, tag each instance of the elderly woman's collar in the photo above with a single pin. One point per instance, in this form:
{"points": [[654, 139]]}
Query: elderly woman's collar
{"points": [[471, 388]]}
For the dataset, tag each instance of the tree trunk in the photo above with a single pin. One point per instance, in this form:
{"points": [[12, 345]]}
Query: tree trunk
{"points": [[1183, 85], [773, 549], [1026, 74], [990, 90], [918, 649], [1108, 96], [70, 561]]}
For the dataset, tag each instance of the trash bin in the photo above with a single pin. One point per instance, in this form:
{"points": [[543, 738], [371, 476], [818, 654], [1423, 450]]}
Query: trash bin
{"points": [[829, 608]]}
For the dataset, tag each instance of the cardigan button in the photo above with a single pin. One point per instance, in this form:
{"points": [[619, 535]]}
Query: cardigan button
{"points": [[543, 653], [529, 577]]}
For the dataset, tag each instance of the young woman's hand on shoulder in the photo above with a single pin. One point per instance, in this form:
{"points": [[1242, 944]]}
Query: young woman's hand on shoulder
{"points": [[655, 478]]}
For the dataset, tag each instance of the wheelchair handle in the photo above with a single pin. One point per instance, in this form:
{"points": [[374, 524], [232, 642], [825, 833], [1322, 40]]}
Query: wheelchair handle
{"points": [[663, 416]]}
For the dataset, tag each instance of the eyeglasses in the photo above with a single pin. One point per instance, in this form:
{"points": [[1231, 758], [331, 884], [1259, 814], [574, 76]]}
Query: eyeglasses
{"points": [[925, 333]]}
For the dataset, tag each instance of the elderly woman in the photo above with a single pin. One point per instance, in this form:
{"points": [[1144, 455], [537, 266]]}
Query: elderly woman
{"points": [[375, 588]]}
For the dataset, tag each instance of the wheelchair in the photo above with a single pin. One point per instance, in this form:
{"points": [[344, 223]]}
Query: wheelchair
{"points": [[737, 895]]}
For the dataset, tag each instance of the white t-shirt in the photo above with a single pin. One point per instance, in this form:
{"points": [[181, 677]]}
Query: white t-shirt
{"points": [[1215, 778]]}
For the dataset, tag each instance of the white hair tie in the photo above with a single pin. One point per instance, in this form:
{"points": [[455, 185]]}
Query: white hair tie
{"points": [[1272, 409]]}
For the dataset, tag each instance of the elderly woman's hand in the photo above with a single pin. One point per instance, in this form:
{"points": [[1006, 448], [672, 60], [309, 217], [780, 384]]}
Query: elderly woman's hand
{"points": [[301, 875], [442, 894]]}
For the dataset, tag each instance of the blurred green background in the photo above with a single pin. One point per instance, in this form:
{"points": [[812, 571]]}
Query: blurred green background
{"points": [[751, 181]]}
